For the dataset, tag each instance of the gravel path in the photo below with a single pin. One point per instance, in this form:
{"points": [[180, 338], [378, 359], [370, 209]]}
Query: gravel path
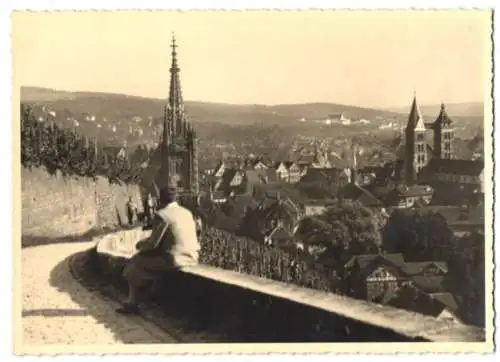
{"points": [[59, 310]]}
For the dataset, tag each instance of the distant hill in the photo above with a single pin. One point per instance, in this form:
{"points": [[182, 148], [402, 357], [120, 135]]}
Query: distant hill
{"points": [[119, 105], [115, 118], [112, 105], [464, 109]]}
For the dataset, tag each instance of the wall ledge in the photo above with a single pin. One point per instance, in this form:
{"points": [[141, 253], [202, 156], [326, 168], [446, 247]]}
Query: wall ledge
{"points": [[122, 245]]}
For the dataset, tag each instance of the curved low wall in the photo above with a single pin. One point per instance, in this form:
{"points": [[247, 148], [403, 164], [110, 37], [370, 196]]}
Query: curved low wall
{"points": [[244, 308]]}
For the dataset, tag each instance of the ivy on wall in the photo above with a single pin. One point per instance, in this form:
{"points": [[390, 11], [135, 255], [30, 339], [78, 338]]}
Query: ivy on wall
{"points": [[44, 143]]}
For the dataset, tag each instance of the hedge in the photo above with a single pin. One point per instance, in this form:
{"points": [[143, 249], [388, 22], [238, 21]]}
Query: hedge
{"points": [[227, 251]]}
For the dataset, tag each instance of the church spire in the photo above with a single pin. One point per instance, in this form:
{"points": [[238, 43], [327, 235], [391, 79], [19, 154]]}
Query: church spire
{"points": [[442, 119], [415, 144], [175, 101], [415, 120], [179, 163]]}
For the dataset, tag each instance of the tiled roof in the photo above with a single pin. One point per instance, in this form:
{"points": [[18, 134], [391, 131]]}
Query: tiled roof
{"points": [[420, 203], [380, 190], [368, 199], [302, 166], [415, 120], [451, 194], [306, 159], [414, 190], [451, 213], [447, 299], [361, 194], [442, 119], [457, 167], [364, 260], [411, 298], [415, 268], [316, 174], [318, 202], [228, 175], [280, 207], [255, 176], [279, 233], [429, 284], [270, 175]]}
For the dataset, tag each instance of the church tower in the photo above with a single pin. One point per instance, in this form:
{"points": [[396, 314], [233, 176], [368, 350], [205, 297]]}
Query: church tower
{"points": [[179, 159], [415, 145], [444, 135]]}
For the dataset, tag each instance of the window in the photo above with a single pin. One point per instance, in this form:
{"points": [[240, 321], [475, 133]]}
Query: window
{"points": [[420, 137], [447, 146]]}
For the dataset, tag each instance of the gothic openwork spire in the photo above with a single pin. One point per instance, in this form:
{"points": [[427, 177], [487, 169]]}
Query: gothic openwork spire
{"points": [[179, 163], [175, 101]]}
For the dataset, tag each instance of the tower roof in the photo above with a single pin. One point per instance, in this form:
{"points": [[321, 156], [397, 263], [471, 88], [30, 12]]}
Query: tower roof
{"points": [[442, 120], [415, 120], [174, 117], [175, 100]]}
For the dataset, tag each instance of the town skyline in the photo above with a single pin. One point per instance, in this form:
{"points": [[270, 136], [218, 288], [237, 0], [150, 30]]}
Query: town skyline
{"points": [[461, 37]]}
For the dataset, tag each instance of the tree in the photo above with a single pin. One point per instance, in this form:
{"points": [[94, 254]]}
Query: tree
{"points": [[419, 235], [313, 231], [467, 277], [353, 227], [345, 229]]}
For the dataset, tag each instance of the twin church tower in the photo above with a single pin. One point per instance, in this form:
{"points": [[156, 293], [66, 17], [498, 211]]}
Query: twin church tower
{"points": [[417, 152]]}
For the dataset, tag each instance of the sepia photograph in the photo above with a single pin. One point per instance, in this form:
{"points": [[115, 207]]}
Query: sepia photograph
{"points": [[252, 181]]}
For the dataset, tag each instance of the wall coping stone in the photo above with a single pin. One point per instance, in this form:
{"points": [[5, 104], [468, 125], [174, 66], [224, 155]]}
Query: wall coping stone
{"points": [[122, 244]]}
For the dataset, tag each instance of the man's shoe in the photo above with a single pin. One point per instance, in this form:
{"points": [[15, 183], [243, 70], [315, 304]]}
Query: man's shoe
{"points": [[128, 309]]}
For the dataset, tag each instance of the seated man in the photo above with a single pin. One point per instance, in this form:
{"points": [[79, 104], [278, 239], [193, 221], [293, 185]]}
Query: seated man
{"points": [[173, 244]]}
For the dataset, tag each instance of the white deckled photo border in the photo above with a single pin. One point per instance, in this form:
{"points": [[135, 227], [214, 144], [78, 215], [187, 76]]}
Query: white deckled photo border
{"points": [[12, 264]]}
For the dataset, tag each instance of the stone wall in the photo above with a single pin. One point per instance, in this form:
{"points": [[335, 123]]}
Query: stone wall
{"points": [[235, 310], [238, 307], [57, 205]]}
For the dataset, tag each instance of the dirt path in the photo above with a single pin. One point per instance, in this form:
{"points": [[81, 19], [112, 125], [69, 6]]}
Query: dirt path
{"points": [[57, 309]]}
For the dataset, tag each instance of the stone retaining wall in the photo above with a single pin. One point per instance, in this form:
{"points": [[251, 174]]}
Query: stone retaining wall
{"points": [[57, 205]]}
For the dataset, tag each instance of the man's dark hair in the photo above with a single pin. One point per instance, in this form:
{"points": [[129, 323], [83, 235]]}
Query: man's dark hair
{"points": [[168, 194]]}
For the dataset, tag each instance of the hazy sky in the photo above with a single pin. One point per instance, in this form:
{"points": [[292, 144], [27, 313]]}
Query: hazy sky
{"points": [[368, 58]]}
